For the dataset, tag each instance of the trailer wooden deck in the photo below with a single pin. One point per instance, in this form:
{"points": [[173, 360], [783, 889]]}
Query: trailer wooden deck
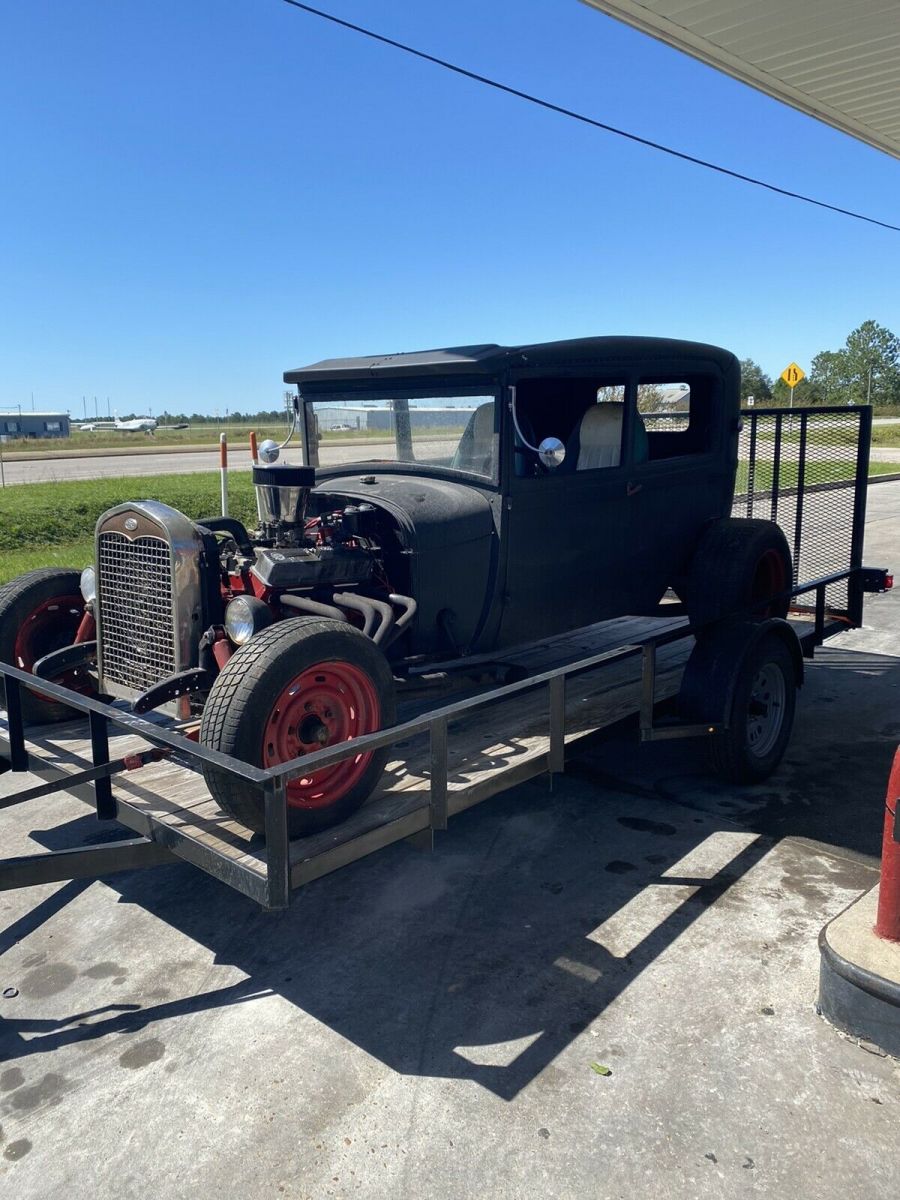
{"points": [[489, 751]]}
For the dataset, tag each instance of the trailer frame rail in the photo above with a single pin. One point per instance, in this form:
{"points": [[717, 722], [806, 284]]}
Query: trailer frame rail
{"points": [[97, 861]]}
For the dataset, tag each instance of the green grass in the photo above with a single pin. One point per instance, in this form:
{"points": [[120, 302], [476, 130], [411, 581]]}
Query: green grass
{"points": [[70, 554], [817, 472], [845, 435], [52, 524]]}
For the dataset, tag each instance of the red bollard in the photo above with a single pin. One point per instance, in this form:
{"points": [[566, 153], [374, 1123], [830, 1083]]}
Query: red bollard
{"points": [[887, 923]]}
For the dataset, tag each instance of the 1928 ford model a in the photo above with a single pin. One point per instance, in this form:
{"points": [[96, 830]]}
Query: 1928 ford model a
{"points": [[450, 503]]}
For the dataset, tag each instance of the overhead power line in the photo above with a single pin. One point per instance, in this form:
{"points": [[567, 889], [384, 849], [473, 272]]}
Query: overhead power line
{"points": [[583, 118]]}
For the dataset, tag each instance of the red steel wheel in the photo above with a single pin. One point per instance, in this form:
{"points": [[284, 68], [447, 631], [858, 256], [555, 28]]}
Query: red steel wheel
{"points": [[770, 579], [330, 684], [40, 612], [326, 704], [51, 626]]}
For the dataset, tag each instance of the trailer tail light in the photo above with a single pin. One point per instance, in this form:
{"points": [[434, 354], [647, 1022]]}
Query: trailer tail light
{"points": [[876, 579]]}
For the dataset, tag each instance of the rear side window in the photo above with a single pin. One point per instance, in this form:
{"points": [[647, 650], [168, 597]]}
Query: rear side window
{"points": [[677, 416]]}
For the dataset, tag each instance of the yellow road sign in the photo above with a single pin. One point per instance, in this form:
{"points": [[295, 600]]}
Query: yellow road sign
{"points": [[792, 375]]}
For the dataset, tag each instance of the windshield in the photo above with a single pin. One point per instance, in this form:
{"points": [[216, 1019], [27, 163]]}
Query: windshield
{"points": [[450, 431]]}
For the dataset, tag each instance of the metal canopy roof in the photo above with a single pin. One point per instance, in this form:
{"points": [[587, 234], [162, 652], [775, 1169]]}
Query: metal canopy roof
{"points": [[837, 60]]}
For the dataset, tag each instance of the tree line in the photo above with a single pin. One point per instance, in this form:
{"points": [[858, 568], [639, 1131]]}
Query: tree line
{"points": [[865, 370]]}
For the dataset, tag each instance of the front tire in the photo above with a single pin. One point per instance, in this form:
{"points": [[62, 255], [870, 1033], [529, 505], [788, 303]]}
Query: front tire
{"points": [[297, 686], [40, 612]]}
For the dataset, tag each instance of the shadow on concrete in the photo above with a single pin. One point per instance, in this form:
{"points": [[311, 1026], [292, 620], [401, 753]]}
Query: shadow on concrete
{"points": [[830, 786], [481, 961]]}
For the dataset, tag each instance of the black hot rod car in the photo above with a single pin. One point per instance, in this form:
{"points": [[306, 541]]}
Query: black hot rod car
{"points": [[449, 503]]}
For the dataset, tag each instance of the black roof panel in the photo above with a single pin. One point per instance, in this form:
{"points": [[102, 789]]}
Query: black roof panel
{"points": [[489, 359]]}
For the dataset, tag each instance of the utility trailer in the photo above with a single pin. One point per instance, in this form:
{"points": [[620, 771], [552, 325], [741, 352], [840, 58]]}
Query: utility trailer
{"points": [[805, 470]]}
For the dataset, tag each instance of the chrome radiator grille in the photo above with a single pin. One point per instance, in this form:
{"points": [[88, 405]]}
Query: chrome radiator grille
{"points": [[134, 591]]}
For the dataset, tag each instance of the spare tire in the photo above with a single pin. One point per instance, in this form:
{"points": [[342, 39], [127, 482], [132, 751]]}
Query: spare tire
{"points": [[741, 567]]}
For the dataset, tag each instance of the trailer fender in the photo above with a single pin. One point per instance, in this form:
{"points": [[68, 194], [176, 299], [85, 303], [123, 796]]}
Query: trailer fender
{"points": [[707, 687]]}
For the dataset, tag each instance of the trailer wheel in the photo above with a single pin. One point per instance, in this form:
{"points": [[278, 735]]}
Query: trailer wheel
{"points": [[760, 717], [40, 612], [297, 686], [739, 564]]}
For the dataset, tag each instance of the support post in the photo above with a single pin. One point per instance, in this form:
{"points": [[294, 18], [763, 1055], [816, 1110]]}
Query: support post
{"points": [[278, 866], [801, 494], [439, 774], [648, 689], [18, 755], [776, 467], [223, 472], [854, 583], [820, 614], [106, 805], [557, 755], [751, 466]]}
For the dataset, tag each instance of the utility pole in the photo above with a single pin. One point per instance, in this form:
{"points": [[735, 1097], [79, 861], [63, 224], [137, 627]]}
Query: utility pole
{"points": [[869, 387]]}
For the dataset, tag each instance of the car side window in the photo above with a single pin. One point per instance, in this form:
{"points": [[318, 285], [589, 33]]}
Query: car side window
{"points": [[676, 415], [584, 412]]}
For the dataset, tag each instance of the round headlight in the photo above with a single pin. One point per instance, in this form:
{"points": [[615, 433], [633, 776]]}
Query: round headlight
{"points": [[88, 584], [245, 616]]}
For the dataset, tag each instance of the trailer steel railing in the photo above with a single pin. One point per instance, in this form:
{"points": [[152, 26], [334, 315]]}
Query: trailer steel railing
{"points": [[270, 782]]}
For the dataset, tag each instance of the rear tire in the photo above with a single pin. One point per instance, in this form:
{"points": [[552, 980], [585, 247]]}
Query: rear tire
{"points": [[300, 684], [739, 565], [40, 612], [761, 716]]}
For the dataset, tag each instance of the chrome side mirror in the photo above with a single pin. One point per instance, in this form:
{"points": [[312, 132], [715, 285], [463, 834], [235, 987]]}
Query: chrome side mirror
{"points": [[269, 451], [552, 453]]}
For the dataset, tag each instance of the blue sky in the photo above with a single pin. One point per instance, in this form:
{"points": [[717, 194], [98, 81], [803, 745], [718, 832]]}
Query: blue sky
{"points": [[197, 196]]}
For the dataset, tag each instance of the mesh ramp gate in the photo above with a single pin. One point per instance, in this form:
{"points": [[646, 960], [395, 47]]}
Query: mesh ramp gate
{"points": [[807, 470]]}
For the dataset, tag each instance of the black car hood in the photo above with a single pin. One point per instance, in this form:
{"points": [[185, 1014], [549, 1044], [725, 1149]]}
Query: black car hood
{"points": [[432, 510]]}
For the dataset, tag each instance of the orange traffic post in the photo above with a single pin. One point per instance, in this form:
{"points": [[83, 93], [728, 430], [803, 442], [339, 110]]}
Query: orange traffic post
{"points": [[254, 453], [887, 922]]}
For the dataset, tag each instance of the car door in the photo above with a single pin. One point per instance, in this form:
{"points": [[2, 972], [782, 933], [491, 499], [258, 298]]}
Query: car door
{"points": [[568, 542]]}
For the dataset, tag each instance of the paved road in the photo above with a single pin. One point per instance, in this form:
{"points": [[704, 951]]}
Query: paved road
{"points": [[51, 470], [55, 468]]}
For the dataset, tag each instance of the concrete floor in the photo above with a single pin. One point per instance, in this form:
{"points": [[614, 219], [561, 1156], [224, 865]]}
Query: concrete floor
{"points": [[428, 1025]]}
